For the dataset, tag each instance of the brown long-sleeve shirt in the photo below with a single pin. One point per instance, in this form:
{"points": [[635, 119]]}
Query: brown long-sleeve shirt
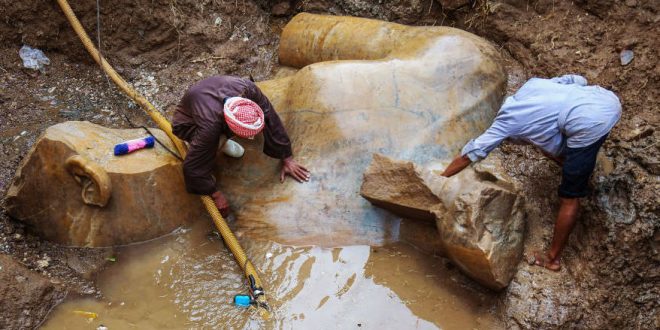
{"points": [[199, 119]]}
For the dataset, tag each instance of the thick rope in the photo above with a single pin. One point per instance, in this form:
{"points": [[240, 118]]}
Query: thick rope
{"points": [[163, 124]]}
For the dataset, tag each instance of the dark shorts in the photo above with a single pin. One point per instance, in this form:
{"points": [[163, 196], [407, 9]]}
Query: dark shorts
{"points": [[579, 163]]}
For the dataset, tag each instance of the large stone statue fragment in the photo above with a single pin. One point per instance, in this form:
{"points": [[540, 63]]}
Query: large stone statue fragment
{"points": [[365, 86], [356, 86], [71, 189], [479, 214]]}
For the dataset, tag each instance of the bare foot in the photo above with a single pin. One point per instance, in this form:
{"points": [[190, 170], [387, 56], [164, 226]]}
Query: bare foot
{"points": [[540, 259]]}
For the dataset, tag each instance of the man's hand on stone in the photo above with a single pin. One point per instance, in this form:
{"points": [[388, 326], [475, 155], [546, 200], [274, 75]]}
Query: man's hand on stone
{"points": [[221, 203], [294, 169]]}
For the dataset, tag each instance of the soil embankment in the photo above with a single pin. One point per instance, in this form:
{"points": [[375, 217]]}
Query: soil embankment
{"points": [[612, 266]]}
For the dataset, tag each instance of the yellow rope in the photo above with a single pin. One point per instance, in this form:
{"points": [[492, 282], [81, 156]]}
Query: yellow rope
{"points": [[163, 124]]}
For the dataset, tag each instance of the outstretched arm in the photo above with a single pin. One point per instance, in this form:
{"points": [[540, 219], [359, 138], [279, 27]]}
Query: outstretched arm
{"points": [[479, 148]]}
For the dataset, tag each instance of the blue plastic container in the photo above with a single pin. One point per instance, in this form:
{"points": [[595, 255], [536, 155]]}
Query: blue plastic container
{"points": [[242, 300]]}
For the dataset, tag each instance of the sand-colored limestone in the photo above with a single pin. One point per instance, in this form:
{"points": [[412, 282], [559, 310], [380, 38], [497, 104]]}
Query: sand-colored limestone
{"points": [[479, 214], [72, 190], [398, 187], [357, 86], [365, 86]]}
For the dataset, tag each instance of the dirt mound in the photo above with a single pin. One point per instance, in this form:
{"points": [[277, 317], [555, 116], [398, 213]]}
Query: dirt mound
{"points": [[24, 293], [152, 32]]}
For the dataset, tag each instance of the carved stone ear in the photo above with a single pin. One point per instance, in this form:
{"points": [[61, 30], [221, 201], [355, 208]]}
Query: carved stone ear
{"points": [[95, 182]]}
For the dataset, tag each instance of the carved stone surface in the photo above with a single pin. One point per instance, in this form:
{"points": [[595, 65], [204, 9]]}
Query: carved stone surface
{"points": [[71, 189], [365, 86], [478, 212]]}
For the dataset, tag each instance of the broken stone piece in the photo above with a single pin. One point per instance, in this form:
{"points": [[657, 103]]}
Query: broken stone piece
{"points": [[478, 212], [72, 190], [482, 231], [397, 186], [626, 56]]}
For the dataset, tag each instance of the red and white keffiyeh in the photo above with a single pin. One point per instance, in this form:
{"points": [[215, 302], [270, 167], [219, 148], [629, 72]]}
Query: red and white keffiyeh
{"points": [[244, 117]]}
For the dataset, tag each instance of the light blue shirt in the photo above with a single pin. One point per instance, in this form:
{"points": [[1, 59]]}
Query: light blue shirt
{"points": [[551, 114]]}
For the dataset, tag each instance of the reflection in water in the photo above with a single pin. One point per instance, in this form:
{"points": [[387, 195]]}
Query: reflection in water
{"points": [[188, 280]]}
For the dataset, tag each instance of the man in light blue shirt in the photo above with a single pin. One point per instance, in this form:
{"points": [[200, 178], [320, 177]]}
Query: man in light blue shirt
{"points": [[569, 122]]}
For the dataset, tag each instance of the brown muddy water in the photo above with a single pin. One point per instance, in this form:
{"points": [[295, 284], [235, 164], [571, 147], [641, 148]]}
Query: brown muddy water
{"points": [[187, 280]]}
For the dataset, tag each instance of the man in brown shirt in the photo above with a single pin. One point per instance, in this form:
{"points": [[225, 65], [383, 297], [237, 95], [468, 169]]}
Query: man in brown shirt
{"points": [[200, 120]]}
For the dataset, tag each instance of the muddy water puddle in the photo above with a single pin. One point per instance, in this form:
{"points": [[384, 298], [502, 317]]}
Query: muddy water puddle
{"points": [[188, 280]]}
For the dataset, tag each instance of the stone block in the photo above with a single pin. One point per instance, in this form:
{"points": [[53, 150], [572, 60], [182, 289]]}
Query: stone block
{"points": [[482, 232], [478, 213], [397, 186], [72, 190]]}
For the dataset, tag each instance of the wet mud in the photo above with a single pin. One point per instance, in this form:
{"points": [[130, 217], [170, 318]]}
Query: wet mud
{"points": [[187, 281]]}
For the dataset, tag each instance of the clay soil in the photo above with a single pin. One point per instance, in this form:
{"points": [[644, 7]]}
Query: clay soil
{"points": [[611, 272]]}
